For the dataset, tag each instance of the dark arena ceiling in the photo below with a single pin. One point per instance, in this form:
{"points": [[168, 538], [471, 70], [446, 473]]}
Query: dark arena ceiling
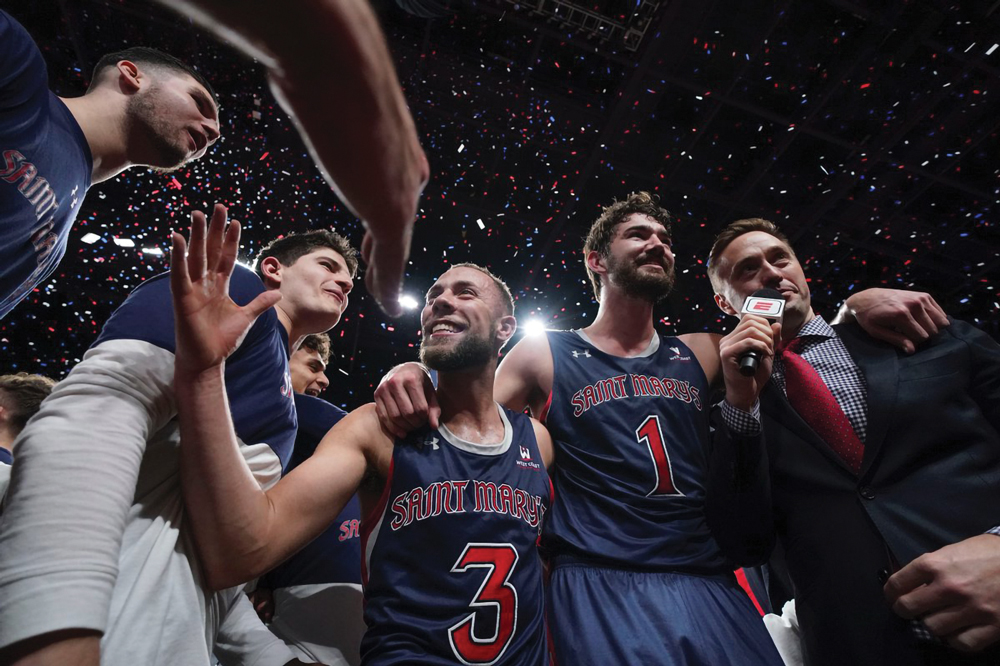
{"points": [[867, 130]]}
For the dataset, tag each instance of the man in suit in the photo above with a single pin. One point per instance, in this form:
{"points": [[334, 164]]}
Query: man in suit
{"points": [[882, 465]]}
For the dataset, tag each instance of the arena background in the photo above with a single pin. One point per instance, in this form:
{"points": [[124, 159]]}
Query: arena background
{"points": [[868, 130]]}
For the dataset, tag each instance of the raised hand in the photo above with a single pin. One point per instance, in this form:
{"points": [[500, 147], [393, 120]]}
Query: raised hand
{"points": [[209, 325], [753, 333], [405, 400]]}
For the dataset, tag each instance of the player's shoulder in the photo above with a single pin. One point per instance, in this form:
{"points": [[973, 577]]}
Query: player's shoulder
{"points": [[705, 347], [21, 59], [704, 339], [531, 347], [528, 358]]}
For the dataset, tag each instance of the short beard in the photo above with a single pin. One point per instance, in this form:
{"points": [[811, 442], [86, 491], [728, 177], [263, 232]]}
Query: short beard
{"points": [[652, 287], [144, 119], [470, 352]]}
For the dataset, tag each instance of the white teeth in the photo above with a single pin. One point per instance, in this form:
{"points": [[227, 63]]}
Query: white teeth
{"points": [[444, 327]]}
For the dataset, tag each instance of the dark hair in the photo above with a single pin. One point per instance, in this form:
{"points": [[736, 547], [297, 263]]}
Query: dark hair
{"points": [[733, 231], [319, 343], [22, 394], [289, 249], [506, 299], [143, 55], [602, 231]]}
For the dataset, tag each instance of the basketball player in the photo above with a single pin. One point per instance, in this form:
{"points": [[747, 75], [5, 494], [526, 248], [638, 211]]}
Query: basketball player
{"points": [[143, 107], [452, 514]]}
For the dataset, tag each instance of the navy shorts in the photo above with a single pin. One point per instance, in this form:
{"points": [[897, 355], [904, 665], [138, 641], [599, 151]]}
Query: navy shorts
{"points": [[604, 616]]}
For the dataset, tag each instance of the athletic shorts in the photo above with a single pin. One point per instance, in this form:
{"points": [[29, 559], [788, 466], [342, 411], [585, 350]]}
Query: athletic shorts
{"points": [[605, 616]]}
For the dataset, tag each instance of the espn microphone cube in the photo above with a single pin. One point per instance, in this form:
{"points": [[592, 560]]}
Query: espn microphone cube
{"points": [[766, 303], [771, 308]]}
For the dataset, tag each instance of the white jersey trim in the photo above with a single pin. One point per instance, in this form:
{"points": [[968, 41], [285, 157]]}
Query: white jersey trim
{"points": [[651, 348], [482, 449]]}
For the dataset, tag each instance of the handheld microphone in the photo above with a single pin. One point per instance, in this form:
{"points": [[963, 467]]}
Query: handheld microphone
{"points": [[766, 303]]}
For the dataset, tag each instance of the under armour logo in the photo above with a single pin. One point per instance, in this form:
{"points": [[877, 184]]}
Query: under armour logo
{"points": [[432, 441], [525, 453], [578, 354]]}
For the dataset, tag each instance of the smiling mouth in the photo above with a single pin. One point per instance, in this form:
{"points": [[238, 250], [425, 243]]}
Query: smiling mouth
{"points": [[444, 330]]}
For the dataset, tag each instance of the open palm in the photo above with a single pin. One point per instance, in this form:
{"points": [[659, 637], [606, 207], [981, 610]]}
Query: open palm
{"points": [[209, 325]]}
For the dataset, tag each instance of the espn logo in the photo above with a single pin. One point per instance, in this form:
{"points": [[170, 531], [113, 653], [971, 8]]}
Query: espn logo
{"points": [[765, 307]]}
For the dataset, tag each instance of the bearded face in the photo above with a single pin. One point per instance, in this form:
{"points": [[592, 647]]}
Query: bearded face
{"points": [[470, 351], [648, 284], [150, 123]]}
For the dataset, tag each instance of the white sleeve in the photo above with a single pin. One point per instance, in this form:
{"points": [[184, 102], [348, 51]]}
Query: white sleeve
{"points": [[243, 639], [72, 484]]}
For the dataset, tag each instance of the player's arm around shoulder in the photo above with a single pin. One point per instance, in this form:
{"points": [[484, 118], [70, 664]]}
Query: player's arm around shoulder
{"points": [[706, 349], [524, 377], [545, 445]]}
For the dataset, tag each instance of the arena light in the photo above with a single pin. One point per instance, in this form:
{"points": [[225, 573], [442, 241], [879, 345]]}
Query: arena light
{"points": [[124, 242], [534, 326], [90, 239], [408, 302]]}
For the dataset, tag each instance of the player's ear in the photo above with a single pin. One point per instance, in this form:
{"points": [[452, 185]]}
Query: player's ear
{"points": [[130, 77], [596, 262], [506, 327], [271, 270]]}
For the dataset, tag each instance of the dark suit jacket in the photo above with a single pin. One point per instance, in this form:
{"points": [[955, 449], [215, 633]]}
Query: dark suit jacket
{"points": [[930, 477]]}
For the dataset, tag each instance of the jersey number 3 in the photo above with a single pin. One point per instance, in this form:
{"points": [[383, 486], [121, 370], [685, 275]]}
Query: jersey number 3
{"points": [[651, 434], [495, 592]]}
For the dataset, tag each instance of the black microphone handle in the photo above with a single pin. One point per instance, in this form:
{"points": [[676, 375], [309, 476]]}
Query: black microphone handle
{"points": [[749, 362]]}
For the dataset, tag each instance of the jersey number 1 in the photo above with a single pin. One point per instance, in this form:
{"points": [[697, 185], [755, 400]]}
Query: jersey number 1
{"points": [[495, 592], [651, 434]]}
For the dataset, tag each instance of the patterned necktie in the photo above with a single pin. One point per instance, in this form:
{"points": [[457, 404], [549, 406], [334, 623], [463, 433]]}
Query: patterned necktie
{"points": [[812, 399]]}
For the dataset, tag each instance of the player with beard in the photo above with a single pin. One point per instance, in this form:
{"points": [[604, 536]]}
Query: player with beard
{"points": [[143, 108], [452, 573]]}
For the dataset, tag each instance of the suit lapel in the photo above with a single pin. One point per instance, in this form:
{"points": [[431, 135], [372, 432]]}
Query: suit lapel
{"points": [[774, 402], [879, 363]]}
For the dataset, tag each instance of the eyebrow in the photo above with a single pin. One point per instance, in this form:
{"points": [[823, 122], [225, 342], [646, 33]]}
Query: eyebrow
{"points": [[461, 284], [332, 260], [657, 229]]}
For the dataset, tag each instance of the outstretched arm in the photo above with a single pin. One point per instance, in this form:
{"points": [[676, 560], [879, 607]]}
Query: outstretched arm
{"points": [[331, 70], [239, 530]]}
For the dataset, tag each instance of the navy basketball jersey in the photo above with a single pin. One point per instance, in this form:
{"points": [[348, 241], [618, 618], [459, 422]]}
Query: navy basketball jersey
{"points": [[630, 465], [452, 572], [335, 555]]}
